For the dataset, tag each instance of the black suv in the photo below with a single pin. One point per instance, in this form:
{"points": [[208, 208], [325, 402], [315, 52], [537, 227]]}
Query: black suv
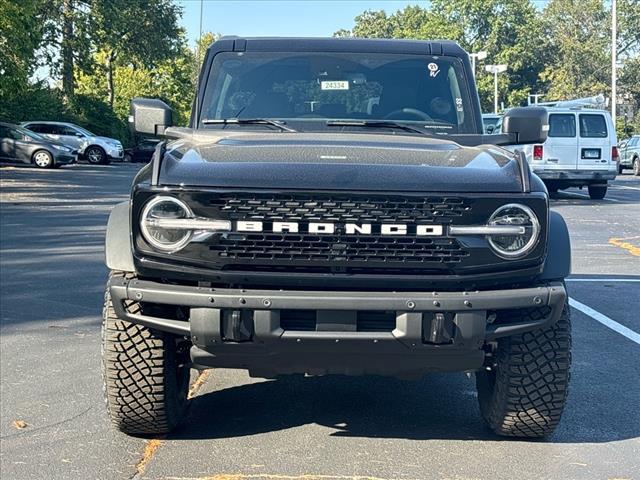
{"points": [[334, 207]]}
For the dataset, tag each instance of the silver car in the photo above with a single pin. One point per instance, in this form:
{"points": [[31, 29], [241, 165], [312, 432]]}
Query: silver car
{"points": [[94, 148], [630, 155], [23, 146]]}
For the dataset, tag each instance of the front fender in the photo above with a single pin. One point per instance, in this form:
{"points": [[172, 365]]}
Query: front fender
{"points": [[118, 254], [558, 263]]}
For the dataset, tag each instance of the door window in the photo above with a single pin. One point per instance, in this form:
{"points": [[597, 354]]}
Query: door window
{"points": [[593, 126], [562, 125], [46, 128], [70, 131]]}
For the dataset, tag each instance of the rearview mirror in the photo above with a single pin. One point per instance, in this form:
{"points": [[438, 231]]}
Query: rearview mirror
{"points": [[526, 124], [150, 116]]}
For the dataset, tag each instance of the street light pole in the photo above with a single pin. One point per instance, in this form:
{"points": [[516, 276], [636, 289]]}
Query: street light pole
{"points": [[614, 41], [495, 69], [477, 56]]}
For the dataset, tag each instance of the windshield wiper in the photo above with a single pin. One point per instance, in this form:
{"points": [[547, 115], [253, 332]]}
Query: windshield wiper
{"points": [[374, 124], [248, 121]]}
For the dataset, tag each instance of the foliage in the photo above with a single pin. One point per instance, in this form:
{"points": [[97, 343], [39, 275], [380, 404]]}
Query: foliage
{"points": [[20, 36], [104, 52], [561, 51]]}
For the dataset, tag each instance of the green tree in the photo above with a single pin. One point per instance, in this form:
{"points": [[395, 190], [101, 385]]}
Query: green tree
{"points": [[581, 65], [509, 30], [134, 32], [21, 34]]}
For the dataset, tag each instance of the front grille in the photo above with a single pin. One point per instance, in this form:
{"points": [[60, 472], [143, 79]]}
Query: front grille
{"points": [[341, 208], [339, 249]]}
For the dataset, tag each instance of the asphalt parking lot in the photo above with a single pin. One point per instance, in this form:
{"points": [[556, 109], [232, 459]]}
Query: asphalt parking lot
{"points": [[52, 418]]}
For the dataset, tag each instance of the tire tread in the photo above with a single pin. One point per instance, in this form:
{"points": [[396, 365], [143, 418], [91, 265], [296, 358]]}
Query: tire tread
{"points": [[140, 383]]}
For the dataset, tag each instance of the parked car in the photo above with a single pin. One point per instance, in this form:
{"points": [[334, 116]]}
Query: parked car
{"points": [[20, 145], [142, 152], [93, 148], [580, 151], [630, 155], [490, 122]]}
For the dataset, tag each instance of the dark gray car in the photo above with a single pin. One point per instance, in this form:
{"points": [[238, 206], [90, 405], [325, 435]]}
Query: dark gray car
{"points": [[20, 145]]}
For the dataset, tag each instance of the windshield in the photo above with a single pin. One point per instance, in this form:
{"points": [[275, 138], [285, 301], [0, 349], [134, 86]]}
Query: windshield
{"points": [[309, 89]]}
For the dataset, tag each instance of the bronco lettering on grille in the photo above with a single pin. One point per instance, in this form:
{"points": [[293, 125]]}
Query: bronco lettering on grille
{"points": [[346, 228]]}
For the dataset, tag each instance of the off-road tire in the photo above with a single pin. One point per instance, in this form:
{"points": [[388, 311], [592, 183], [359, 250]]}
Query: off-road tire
{"points": [[145, 383], [524, 394], [597, 192], [636, 167]]}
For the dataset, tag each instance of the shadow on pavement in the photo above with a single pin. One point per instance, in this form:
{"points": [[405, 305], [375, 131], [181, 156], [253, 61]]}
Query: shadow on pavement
{"points": [[441, 406]]}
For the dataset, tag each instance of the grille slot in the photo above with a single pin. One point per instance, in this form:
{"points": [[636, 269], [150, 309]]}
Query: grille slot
{"points": [[367, 321], [341, 208], [505, 317]]}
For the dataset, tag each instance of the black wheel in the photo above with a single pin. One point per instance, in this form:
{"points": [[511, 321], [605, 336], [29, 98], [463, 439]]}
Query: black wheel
{"points": [[42, 159], [620, 169], [127, 158], [524, 393], [636, 167], [145, 374], [597, 192], [96, 155]]}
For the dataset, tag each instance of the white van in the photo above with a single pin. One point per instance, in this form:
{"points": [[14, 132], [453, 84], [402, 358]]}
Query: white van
{"points": [[581, 150]]}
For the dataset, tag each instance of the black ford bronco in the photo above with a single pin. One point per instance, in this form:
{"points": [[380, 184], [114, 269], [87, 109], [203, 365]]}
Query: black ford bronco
{"points": [[334, 207]]}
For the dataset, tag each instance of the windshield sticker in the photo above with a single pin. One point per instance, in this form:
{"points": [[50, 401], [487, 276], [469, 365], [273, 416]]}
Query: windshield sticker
{"points": [[434, 70], [459, 105], [334, 85]]}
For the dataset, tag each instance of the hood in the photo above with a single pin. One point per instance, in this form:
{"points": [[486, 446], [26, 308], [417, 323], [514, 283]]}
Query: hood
{"points": [[371, 162], [108, 140]]}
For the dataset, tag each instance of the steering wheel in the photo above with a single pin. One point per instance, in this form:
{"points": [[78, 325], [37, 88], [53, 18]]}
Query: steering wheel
{"points": [[401, 113]]}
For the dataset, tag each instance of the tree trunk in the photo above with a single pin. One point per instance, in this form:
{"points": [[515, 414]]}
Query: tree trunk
{"points": [[67, 48], [110, 88]]}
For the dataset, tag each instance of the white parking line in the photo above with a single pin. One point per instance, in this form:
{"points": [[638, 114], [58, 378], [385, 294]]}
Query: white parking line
{"points": [[625, 187], [604, 280], [606, 321], [587, 196]]}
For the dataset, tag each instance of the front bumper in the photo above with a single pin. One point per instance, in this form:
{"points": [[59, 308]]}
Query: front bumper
{"points": [[434, 331], [577, 175], [115, 153], [64, 158]]}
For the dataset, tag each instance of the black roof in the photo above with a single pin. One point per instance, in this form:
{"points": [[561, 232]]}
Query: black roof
{"points": [[357, 45]]}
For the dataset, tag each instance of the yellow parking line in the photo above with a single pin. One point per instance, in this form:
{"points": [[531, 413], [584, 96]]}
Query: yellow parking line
{"points": [[266, 476], [152, 445], [626, 245]]}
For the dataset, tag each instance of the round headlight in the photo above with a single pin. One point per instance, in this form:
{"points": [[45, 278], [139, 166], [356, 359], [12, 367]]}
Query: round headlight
{"points": [[155, 223], [516, 245]]}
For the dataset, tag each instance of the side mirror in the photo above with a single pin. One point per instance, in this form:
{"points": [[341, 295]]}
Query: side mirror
{"points": [[526, 124], [490, 129], [150, 116]]}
